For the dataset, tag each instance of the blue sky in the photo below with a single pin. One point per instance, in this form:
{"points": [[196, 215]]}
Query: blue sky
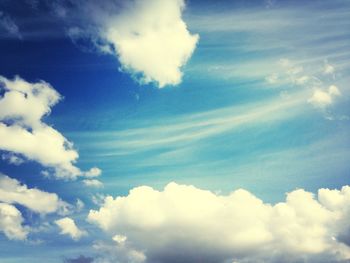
{"points": [[215, 96]]}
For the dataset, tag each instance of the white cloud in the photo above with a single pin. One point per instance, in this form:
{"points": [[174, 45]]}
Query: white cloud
{"points": [[188, 224], [27, 102], [68, 227], [322, 99], [42, 144], [13, 192], [92, 183], [11, 222], [22, 107], [151, 38]]}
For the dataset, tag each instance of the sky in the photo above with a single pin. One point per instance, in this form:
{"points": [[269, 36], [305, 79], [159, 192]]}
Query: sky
{"points": [[174, 131]]}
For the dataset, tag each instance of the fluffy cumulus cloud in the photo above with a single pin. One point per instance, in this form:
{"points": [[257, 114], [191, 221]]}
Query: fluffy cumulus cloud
{"points": [[186, 224], [68, 227], [22, 107], [13, 192], [11, 222], [150, 38]]}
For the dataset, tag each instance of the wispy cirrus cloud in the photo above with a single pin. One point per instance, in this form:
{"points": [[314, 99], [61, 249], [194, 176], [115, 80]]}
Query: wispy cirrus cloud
{"points": [[256, 38], [197, 127]]}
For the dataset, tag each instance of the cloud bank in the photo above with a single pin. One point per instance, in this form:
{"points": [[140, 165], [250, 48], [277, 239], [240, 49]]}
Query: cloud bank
{"points": [[22, 107], [186, 224]]}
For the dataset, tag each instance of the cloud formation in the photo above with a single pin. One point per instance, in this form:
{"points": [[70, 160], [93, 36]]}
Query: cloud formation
{"points": [[68, 227], [186, 224], [11, 222], [13, 192], [22, 107]]}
